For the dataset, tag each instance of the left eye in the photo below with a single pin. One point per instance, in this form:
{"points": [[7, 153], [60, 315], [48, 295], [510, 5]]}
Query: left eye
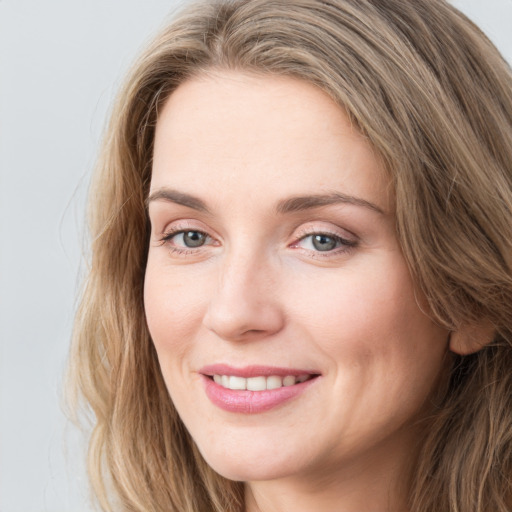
{"points": [[323, 242]]}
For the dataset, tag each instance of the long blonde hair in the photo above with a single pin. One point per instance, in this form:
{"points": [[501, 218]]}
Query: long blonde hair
{"points": [[434, 98]]}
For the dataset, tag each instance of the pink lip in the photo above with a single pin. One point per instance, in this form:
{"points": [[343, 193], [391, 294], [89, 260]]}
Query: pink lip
{"points": [[253, 371], [251, 402]]}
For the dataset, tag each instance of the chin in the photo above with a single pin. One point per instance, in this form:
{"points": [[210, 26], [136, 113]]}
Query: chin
{"points": [[248, 468]]}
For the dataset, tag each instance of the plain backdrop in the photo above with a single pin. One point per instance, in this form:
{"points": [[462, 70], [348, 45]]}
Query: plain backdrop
{"points": [[61, 62]]}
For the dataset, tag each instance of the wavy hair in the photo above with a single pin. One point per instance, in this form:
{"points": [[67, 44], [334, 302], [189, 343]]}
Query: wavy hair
{"points": [[434, 98]]}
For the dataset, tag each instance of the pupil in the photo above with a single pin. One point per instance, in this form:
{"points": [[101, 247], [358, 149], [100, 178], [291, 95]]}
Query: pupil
{"points": [[324, 243], [193, 238]]}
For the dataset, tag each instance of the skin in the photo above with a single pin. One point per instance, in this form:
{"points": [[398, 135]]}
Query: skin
{"points": [[259, 292]]}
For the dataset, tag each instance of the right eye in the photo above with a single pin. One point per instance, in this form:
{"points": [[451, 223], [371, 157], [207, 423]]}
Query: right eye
{"points": [[186, 239], [190, 239]]}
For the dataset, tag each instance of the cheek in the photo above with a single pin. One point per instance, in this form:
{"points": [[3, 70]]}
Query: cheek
{"points": [[347, 301], [371, 320], [173, 310], [385, 356]]}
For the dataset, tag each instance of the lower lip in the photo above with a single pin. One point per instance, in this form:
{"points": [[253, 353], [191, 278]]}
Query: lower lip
{"points": [[252, 402]]}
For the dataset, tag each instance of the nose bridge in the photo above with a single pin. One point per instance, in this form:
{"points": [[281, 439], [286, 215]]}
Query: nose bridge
{"points": [[245, 303], [243, 271]]}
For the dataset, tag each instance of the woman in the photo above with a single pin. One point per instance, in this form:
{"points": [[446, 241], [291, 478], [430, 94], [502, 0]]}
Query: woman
{"points": [[300, 288]]}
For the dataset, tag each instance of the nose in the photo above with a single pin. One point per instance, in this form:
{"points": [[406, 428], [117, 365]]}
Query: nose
{"points": [[245, 304]]}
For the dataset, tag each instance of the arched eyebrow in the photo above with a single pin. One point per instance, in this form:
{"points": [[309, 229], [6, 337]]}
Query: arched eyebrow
{"points": [[174, 196], [290, 205], [300, 203]]}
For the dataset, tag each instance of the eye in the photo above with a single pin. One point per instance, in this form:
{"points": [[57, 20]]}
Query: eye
{"points": [[180, 239], [325, 242], [190, 238]]}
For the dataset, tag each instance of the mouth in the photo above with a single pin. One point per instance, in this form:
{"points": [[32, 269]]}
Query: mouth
{"points": [[254, 389], [258, 383]]}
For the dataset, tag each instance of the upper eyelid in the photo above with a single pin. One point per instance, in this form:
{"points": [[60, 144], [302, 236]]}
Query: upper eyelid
{"points": [[308, 228], [173, 232], [326, 233], [304, 231], [182, 224], [346, 242]]}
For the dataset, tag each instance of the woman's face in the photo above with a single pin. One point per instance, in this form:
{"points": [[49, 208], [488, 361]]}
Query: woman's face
{"points": [[274, 265]]}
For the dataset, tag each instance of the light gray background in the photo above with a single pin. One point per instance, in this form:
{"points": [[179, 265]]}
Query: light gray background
{"points": [[60, 64]]}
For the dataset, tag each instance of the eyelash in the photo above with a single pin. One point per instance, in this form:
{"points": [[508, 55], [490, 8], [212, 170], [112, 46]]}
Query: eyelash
{"points": [[182, 251], [344, 245]]}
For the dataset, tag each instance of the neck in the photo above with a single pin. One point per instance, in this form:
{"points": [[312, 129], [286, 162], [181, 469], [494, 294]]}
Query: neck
{"points": [[332, 497]]}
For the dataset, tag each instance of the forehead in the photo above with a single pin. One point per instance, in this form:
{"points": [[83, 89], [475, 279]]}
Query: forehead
{"points": [[227, 130]]}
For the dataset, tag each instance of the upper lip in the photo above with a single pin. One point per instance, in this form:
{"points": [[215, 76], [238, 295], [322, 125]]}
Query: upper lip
{"points": [[253, 371]]}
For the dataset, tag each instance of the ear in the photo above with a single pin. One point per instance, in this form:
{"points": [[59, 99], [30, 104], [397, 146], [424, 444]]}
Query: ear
{"points": [[472, 338]]}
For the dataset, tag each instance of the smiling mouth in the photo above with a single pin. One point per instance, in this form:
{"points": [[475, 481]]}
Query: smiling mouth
{"points": [[259, 383], [254, 389]]}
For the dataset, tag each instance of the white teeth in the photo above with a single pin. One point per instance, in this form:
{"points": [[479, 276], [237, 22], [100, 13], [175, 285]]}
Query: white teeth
{"points": [[237, 382], [274, 382], [258, 383]]}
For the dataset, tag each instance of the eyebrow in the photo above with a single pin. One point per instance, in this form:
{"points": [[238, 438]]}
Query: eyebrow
{"points": [[300, 203], [173, 196], [290, 205]]}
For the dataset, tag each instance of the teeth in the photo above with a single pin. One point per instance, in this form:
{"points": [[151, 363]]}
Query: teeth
{"points": [[258, 383], [237, 382], [289, 380], [274, 382]]}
